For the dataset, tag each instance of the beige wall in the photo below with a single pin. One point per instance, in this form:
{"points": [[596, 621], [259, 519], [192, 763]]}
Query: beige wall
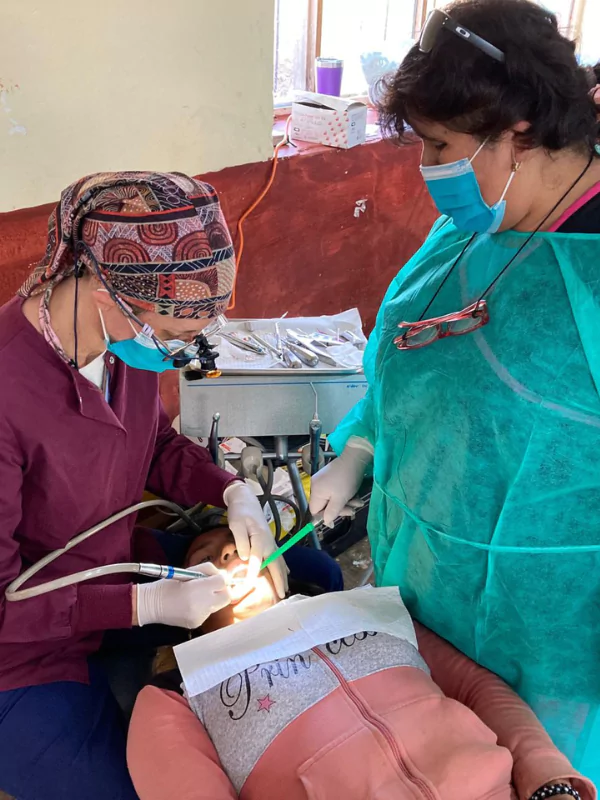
{"points": [[130, 84]]}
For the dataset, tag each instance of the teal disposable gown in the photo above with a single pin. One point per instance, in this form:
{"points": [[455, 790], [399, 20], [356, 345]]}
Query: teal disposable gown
{"points": [[486, 503]]}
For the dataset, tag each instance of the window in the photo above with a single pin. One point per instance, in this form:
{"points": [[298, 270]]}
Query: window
{"points": [[563, 10], [292, 50], [589, 42], [364, 33], [372, 36], [361, 32]]}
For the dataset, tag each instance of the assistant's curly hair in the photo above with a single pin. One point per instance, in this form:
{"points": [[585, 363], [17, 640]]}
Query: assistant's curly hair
{"points": [[468, 91]]}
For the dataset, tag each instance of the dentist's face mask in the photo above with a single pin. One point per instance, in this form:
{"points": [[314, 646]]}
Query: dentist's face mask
{"points": [[456, 193], [142, 352]]}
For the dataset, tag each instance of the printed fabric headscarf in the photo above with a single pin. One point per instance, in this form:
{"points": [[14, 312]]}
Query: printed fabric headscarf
{"points": [[159, 239]]}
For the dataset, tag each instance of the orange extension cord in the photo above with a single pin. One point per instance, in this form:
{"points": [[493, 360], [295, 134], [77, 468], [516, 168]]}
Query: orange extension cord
{"points": [[240, 226]]}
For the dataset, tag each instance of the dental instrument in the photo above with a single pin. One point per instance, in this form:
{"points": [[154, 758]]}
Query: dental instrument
{"points": [[278, 335], [315, 526], [14, 592], [351, 337], [315, 430], [308, 528], [244, 343], [303, 353], [306, 343], [263, 343], [213, 439], [290, 359], [325, 339]]}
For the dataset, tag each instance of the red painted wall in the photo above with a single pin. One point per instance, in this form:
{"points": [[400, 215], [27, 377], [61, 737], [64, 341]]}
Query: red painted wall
{"points": [[305, 250]]}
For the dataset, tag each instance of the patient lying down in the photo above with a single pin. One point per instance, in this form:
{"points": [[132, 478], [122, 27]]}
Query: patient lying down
{"points": [[358, 718]]}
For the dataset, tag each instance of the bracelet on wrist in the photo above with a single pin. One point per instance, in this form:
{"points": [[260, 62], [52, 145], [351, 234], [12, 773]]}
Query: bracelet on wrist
{"points": [[554, 790]]}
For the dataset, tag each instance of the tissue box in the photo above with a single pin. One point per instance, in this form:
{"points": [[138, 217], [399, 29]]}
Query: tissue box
{"points": [[328, 120]]}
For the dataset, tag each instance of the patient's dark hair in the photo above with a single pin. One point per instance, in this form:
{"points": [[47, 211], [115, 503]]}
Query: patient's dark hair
{"points": [[467, 90], [209, 519]]}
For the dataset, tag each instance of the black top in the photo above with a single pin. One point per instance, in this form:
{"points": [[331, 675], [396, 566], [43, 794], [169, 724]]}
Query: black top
{"points": [[586, 220]]}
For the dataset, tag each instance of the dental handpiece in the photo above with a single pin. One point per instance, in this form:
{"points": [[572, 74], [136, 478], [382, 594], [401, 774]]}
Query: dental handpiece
{"points": [[290, 359], [179, 574], [14, 591], [306, 356], [170, 573], [306, 343]]}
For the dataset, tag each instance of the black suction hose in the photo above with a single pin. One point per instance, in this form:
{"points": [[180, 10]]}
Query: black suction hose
{"points": [[272, 499]]}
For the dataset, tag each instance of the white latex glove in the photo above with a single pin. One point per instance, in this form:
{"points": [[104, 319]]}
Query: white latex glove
{"points": [[253, 538], [333, 487], [183, 604]]}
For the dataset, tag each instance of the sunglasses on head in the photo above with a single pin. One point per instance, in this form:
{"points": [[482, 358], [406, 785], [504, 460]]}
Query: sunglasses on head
{"points": [[439, 21]]}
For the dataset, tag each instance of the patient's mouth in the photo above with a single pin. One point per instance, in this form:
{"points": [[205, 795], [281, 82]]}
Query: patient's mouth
{"points": [[239, 585]]}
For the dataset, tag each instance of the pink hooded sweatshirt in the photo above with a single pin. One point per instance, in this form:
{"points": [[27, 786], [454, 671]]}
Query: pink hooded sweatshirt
{"points": [[328, 724]]}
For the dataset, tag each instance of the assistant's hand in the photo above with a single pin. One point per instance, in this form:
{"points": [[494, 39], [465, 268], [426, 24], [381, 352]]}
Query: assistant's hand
{"points": [[183, 604], [333, 487], [253, 538]]}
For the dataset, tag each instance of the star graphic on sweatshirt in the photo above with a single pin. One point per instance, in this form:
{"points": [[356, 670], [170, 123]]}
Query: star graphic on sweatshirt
{"points": [[265, 704]]}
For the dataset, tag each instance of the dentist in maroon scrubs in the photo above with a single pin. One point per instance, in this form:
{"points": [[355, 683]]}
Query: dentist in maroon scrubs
{"points": [[136, 263]]}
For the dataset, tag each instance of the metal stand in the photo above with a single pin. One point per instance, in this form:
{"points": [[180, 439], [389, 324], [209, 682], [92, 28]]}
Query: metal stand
{"points": [[301, 500], [282, 455]]}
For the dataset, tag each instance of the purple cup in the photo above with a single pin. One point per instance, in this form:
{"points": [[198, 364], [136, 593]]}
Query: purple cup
{"points": [[329, 76]]}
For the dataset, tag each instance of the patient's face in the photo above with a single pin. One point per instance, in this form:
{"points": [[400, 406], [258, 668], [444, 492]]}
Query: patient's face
{"points": [[218, 547]]}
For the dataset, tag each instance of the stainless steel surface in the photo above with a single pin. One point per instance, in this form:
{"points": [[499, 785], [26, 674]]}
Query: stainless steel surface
{"points": [[281, 448], [300, 370], [268, 405]]}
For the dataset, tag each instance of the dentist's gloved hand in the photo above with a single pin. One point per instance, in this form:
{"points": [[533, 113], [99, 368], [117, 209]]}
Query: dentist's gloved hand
{"points": [[253, 538], [333, 487], [183, 604]]}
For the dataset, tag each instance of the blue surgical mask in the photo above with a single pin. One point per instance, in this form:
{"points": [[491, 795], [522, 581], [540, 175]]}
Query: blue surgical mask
{"points": [[141, 352], [456, 193]]}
